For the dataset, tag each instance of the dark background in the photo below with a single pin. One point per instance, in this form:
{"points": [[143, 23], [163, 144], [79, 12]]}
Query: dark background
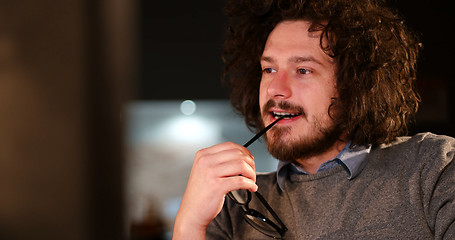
{"points": [[180, 50], [68, 68], [181, 44]]}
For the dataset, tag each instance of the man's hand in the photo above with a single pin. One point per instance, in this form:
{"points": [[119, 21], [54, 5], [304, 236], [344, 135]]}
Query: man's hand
{"points": [[216, 171]]}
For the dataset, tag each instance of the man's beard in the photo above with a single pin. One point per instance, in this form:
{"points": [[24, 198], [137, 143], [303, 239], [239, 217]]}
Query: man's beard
{"points": [[302, 147]]}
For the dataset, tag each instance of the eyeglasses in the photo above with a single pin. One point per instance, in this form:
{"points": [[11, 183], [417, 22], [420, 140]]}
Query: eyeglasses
{"points": [[257, 220]]}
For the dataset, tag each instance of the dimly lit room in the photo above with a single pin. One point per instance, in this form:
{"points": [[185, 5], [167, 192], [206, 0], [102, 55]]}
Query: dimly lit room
{"points": [[105, 103]]}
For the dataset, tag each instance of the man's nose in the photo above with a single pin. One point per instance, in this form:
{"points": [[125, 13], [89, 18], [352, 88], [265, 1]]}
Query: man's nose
{"points": [[280, 86]]}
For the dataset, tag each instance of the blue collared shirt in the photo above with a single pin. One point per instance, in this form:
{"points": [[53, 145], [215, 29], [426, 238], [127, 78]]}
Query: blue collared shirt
{"points": [[352, 159]]}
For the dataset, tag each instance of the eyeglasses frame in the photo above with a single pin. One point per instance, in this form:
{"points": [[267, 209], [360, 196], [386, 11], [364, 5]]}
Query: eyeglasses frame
{"points": [[281, 230]]}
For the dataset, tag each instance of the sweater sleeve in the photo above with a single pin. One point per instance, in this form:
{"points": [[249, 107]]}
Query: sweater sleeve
{"points": [[230, 223], [439, 187], [221, 226], [442, 204]]}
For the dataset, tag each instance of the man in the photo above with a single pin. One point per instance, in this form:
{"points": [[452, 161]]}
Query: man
{"points": [[342, 72]]}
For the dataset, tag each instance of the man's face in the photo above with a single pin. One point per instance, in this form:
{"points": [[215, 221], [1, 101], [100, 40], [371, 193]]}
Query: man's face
{"points": [[299, 80]]}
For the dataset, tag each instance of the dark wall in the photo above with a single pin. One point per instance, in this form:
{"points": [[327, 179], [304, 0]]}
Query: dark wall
{"points": [[433, 20], [64, 72], [181, 45]]}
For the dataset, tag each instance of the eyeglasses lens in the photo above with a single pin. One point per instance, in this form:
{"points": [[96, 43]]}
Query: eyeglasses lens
{"points": [[259, 222], [240, 196]]}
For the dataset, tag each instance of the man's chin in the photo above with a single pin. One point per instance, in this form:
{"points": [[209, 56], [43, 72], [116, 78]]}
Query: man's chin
{"points": [[285, 147]]}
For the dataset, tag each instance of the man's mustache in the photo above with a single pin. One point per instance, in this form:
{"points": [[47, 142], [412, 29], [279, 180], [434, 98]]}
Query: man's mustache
{"points": [[283, 105]]}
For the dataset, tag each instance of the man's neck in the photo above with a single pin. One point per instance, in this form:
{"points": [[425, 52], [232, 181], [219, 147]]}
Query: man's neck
{"points": [[311, 164]]}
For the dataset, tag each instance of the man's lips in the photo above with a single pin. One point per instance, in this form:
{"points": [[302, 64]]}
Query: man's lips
{"points": [[274, 110], [284, 114]]}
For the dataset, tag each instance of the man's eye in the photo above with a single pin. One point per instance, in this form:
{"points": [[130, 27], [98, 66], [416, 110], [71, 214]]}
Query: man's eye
{"points": [[268, 70], [303, 71]]}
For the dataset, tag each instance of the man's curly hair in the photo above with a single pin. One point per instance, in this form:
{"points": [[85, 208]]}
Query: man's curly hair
{"points": [[375, 53]]}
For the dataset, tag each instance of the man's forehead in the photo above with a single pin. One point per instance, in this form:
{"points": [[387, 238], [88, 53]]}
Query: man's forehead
{"points": [[297, 41]]}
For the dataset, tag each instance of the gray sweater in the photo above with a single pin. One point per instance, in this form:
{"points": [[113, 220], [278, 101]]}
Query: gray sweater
{"points": [[406, 191]]}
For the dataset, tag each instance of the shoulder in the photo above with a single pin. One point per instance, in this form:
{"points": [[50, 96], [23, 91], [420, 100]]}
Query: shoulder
{"points": [[422, 144], [429, 143], [427, 138], [423, 150]]}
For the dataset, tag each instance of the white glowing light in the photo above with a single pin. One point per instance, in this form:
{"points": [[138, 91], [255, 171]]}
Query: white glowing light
{"points": [[188, 107], [192, 130]]}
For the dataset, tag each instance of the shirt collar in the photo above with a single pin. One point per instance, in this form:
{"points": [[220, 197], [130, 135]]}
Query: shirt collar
{"points": [[352, 158]]}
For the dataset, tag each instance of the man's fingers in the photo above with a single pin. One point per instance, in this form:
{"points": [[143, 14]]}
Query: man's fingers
{"points": [[209, 157], [236, 167], [238, 182]]}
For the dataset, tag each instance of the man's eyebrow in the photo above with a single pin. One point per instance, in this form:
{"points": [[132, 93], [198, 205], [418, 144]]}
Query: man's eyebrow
{"points": [[299, 59], [295, 59], [267, 59]]}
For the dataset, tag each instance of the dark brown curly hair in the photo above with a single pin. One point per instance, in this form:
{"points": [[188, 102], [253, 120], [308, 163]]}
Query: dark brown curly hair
{"points": [[376, 56]]}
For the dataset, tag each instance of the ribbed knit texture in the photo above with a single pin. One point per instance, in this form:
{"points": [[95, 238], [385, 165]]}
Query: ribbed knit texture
{"points": [[406, 191]]}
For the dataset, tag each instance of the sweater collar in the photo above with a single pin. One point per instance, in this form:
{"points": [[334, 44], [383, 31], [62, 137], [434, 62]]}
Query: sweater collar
{"points": [[352, 158]]}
